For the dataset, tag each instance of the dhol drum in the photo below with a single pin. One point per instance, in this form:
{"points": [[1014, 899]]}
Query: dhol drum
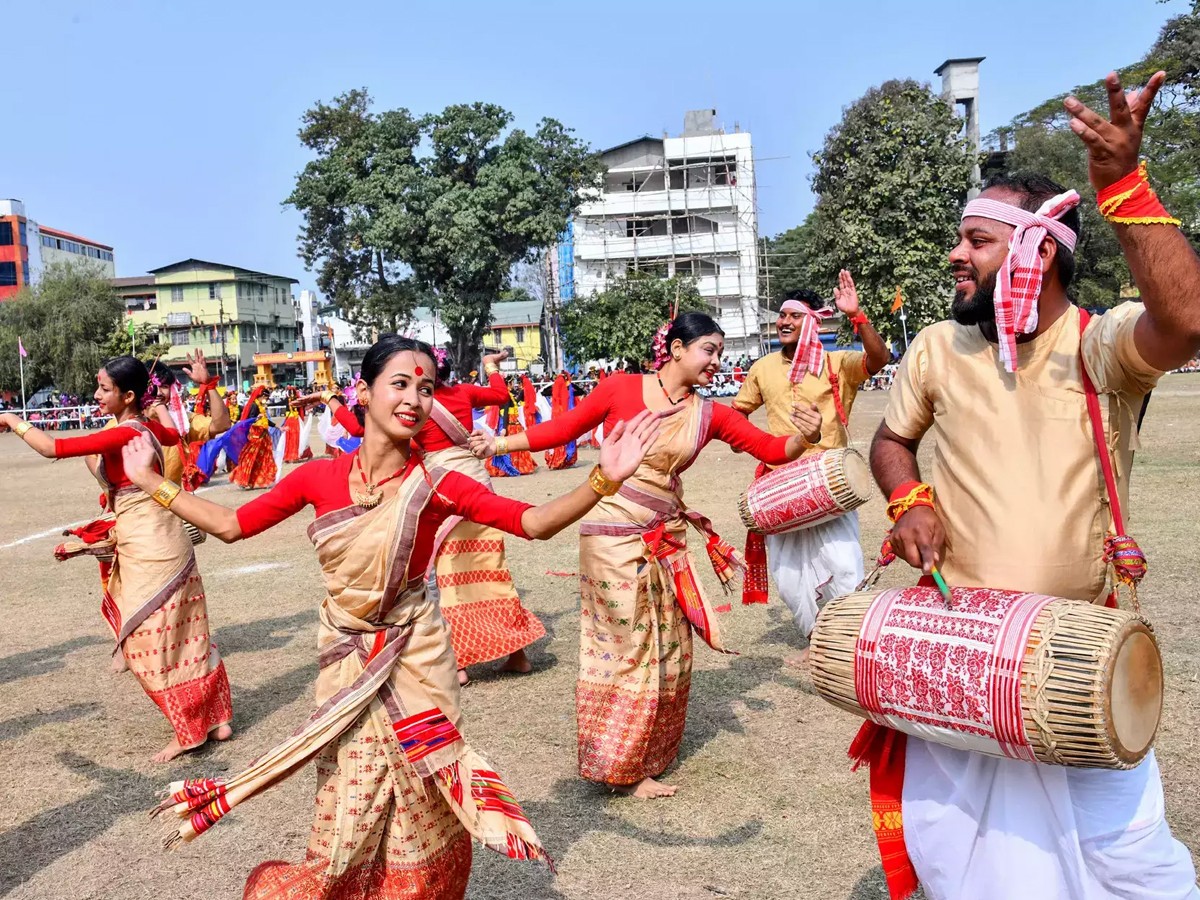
{"points": [[807, 492], [1021, 676], [104, 550]]}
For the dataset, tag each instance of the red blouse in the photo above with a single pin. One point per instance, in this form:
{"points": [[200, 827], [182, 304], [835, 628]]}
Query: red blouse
{"points": [[108, 443], [619, 397], [459, 400], [324, 485]]}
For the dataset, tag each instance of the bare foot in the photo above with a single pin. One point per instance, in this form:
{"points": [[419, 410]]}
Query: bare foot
{"points": [[463, 678], [118, 664], [221, 732], [169, 752], [799, 661], [518, 662], [646, 789]]}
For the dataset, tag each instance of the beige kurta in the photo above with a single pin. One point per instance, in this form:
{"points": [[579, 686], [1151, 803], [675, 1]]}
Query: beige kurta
{"points": [[767, 385], [1019, 487], [1017, 478]]}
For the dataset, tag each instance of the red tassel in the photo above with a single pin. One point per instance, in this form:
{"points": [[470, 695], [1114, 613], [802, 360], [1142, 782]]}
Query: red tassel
{"points": [[754, 588]]}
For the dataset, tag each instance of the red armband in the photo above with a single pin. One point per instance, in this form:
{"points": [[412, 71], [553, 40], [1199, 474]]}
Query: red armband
{"points": [[859, 318], [907, 496], [1131, 201], [202, 394]]}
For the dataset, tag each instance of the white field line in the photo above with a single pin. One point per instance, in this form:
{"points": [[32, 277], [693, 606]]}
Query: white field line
{"points": [[249, 570], [58, 530]]}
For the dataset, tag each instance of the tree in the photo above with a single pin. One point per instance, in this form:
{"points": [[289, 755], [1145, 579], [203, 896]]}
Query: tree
{"points": [[363, 163], [1042, 141], [788, 263], [619, 322], [143, 343], [65, 323], [891, 180], [445, 205]]}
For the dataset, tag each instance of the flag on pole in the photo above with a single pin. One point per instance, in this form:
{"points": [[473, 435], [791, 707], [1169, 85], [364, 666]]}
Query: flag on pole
{"points": [[898, 303], [130, 324], [21, 349]]}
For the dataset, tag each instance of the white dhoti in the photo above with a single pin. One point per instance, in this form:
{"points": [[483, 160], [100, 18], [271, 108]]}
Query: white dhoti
{"points": [[996, 829], [814, 565]]}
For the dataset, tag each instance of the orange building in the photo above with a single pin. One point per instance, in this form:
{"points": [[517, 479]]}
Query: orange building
{"points": [[27, 248], [14, 248]]}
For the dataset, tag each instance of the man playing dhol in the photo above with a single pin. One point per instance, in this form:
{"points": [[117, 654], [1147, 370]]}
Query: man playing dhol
{"points": [[1020, 501], [824, 561]]}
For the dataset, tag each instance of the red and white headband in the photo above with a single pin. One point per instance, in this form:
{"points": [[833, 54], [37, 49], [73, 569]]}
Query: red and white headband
{"points": [[1019, 284]]}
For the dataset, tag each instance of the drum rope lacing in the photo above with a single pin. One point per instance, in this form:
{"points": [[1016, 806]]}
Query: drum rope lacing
{"points": [[1042, 670]]}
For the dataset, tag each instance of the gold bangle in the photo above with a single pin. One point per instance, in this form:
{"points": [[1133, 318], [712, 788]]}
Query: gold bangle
{"points": [[491, 369], [326, 396], [21, 428], [164, 495], [501, 446], [602, 485]]}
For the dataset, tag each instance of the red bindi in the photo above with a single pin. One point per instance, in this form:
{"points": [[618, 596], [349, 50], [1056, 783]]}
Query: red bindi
{"points": [[420, 371]]}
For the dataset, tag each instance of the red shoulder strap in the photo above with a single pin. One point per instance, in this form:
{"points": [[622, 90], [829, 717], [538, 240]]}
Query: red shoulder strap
{"points": [[837, 397], [1093, 405]]}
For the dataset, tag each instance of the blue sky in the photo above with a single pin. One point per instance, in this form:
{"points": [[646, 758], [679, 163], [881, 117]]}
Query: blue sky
{"points": [[169, 129]]}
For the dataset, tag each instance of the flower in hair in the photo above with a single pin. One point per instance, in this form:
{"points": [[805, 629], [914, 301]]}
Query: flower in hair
{"points": [[151, 391], [659, 346]]}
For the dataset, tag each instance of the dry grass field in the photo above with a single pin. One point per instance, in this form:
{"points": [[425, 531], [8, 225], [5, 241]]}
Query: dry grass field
{"points": [[767, 807]]}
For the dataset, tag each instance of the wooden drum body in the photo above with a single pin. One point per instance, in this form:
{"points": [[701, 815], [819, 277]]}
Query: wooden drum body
{"points": [[806, 492], [1013, 675]]}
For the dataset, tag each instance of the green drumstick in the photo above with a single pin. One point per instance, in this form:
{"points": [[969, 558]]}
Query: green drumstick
{"points": [[941, 583]]}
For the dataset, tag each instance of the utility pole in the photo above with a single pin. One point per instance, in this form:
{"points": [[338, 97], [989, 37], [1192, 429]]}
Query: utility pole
{"points": [[221, 325]]}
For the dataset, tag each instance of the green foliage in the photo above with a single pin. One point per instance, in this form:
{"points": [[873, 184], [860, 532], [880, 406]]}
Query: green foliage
{"points": [[1043, 142], [619, 322], [144, 343], [65, 322], [788, 263], [1100, 268], [401, 211], [891, 180]]}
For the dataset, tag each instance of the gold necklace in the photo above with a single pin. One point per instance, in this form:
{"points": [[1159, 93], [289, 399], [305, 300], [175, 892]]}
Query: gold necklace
{"points": [[370, 498]]}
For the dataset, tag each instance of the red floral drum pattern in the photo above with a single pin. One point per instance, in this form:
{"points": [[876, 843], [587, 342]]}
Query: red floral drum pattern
{"points": [[807, 492], [949, 675]]}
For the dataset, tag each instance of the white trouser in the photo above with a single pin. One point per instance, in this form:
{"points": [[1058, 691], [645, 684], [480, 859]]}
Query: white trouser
{"points": [[815, 565], [997, 829]]}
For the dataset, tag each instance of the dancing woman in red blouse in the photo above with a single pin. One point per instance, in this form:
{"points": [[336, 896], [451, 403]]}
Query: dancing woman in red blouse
{"points": [[400, 793], [154, 600], [470, 578], [638, 588]]}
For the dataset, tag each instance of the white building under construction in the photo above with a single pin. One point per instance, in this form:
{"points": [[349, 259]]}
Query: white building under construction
{"points": [[678, 206]]}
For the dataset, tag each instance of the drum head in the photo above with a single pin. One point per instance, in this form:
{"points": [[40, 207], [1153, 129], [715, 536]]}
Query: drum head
{"points": [[858, 475], [1135, 692]]}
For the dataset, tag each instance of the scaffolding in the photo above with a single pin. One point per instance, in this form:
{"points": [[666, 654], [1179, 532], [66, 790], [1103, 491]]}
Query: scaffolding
{"points": [[672, 236]]}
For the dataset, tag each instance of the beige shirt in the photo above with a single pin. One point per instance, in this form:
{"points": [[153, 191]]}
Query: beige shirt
{"points": [[1016, 476], [767, 385]]}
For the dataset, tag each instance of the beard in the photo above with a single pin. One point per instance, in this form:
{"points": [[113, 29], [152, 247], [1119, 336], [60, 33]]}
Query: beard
{"points": [[980, 307]]}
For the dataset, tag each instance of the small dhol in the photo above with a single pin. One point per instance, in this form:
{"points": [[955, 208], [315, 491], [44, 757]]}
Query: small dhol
{"points": [[1008, 674], [807, 492]]}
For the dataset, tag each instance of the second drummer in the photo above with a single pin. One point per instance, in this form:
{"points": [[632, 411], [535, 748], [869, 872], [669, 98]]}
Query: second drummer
{"points": [[1017, 499], [818, 563]]}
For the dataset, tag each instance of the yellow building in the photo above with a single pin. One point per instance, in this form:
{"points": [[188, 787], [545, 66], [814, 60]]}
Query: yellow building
{"points": [[228, 312], [518, 325]]}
